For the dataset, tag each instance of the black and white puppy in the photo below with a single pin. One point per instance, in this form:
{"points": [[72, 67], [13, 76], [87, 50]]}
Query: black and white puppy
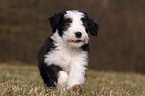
{"points": [[64, 56]]}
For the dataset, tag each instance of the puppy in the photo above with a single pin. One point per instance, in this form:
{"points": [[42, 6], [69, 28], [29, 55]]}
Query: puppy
{"points": [[63, 58]]}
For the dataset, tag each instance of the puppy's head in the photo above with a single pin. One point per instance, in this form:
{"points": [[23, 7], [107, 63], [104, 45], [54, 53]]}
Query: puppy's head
{"points": [[73, 27]]}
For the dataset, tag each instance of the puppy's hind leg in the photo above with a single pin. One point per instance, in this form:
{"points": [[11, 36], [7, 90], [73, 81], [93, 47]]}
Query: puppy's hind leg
{"points": [[49, 74]]}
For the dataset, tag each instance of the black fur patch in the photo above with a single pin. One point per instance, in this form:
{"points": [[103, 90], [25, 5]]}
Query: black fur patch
{"points": [[90, 25], [57, 21], [85, 47], [65, 24], [49, 74]]}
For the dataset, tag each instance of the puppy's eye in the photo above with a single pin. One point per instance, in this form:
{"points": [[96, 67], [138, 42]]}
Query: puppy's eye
{"points": [[85, 21], [66, 24], [68, 20]]}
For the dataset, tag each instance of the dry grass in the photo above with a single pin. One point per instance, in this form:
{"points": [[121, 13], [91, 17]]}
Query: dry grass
{"points": [[26, 81]]}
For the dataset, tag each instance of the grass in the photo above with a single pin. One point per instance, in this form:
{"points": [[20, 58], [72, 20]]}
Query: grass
{"points": [[26, 81]]}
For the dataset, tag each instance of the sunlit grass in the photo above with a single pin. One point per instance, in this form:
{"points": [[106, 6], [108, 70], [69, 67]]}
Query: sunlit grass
{"points": [[25, 80]]}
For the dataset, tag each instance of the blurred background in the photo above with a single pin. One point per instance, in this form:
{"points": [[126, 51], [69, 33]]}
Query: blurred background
{"points": [[119, 46]]}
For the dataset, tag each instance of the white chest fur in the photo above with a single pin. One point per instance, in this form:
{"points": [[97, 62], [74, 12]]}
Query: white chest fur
{"points": [[65, 56]]}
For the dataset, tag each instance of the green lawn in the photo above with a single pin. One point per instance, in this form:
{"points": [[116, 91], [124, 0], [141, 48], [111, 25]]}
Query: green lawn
{"points": [[25, 80]]}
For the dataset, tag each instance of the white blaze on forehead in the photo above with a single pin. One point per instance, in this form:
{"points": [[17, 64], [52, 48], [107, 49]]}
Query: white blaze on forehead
{"points": [[75, 15]]}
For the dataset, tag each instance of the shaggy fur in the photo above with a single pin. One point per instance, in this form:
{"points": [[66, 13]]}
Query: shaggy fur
{"points": [[63, 58]]}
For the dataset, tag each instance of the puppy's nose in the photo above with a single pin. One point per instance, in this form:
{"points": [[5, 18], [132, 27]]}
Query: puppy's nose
{"points": [[78, 34]]}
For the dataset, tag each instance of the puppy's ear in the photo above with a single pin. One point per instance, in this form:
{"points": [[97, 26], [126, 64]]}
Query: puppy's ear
{"points": [[91, 25], [55, 21]]}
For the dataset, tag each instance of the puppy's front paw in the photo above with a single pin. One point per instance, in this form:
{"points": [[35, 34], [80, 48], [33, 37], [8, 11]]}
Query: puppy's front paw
{"points": [[77, 88]]}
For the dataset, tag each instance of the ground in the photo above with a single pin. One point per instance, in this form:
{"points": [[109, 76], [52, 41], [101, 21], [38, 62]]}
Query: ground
{"points": [[26, 81]]}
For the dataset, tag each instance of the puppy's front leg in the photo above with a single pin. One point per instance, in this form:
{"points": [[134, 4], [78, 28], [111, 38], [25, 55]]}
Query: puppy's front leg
{"points": [[76, 76]]}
